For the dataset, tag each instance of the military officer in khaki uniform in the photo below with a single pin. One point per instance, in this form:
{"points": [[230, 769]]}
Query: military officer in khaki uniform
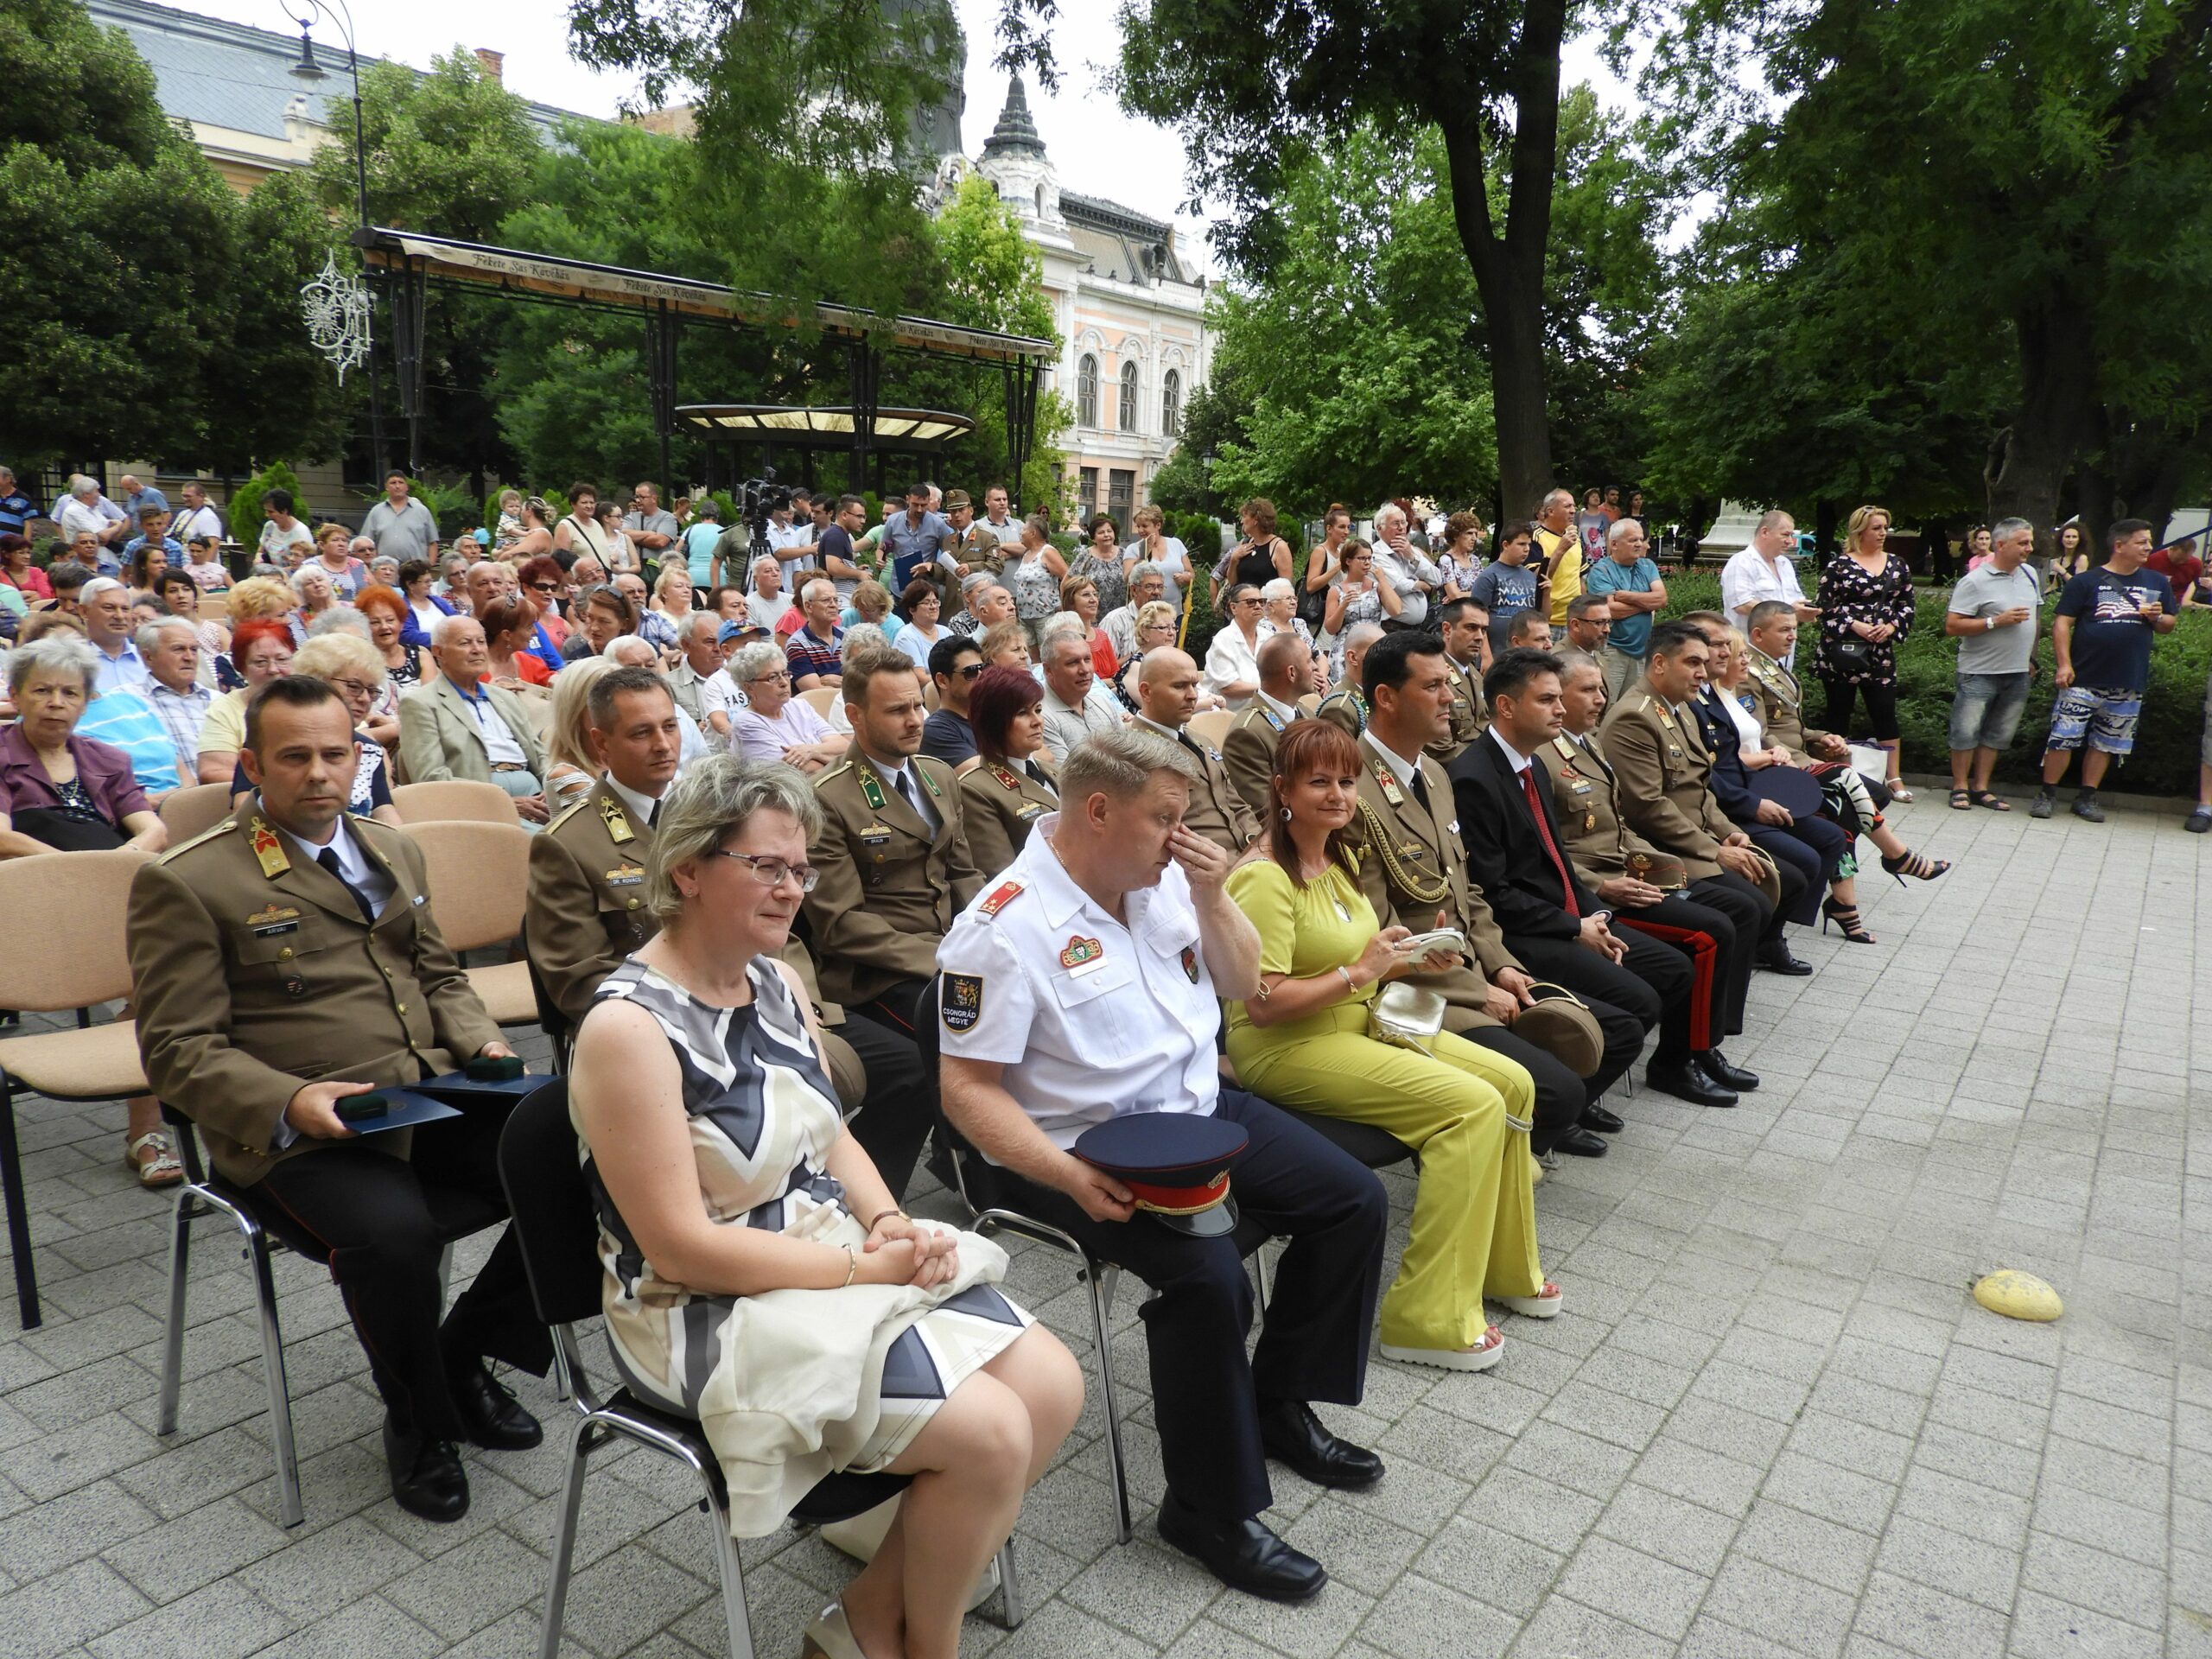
{"points": [[1780, 698], [1346, 706], [286, 961], [1661, 769], [1466, 647], [1248, 752], [1414, 871], [1014, 782], [1168, 695]]}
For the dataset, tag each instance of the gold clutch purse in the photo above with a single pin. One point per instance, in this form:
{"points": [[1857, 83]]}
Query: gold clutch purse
{"points": [[1405, 1015]]}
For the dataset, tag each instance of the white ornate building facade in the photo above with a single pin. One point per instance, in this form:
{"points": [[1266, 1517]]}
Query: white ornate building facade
{"points": [[1130, 309]]}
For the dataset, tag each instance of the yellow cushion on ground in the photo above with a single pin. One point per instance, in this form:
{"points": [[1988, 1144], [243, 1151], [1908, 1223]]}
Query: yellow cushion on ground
{"points": [[2019, 1295]]}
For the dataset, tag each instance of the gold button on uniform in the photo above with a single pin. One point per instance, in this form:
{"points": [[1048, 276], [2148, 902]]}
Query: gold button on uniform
{"points": [[633, 904], [285, 955], [402, 1007]]}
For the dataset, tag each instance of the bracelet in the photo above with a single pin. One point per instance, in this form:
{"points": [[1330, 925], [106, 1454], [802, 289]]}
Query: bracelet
{"points": [[1350, 987], [852, 1266], [893, 1211]]}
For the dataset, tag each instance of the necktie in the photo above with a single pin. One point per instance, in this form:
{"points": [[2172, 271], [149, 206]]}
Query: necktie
{"points": [[328, 858], [1544, 834], [653, 818], [1420, 792], [905, 784], [1036, 773]]}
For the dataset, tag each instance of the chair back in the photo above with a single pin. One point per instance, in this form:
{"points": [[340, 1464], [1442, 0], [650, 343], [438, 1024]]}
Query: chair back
{"points": [[479, 878], [551, 1203], [970, 1170], [1309, 703], [1211, 728], [194, 811], [821, 697], [74, 905], [447, 799]]}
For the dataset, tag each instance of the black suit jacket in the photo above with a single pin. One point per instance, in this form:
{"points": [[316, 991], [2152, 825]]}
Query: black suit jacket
{"points": [[1731, 784], [1506, 854]]}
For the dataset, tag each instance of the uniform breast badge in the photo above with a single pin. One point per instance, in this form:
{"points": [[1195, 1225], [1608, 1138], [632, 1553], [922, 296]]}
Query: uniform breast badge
{"points": [[1082, 955]]}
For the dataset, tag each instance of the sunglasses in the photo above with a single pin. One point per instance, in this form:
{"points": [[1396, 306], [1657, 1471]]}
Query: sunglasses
{"points": [[970, 671], [545, 586]]}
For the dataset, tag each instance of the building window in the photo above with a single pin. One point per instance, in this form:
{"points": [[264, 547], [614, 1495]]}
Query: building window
{"points": [[1121, 496], [1086, 391], [1171, 403], [1125, 415], [1040, 201], [1087, 492]]}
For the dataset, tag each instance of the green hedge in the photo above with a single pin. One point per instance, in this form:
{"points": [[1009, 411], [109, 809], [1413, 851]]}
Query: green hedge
{"points": [[2166, 741]]}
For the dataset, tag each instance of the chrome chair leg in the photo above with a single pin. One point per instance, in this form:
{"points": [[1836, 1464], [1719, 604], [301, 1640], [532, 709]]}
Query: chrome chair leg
{"points": [[564, 1542], [1009, 1587], [280, 1395], [1101, 1297], [172, 1339], [731, 1570]]}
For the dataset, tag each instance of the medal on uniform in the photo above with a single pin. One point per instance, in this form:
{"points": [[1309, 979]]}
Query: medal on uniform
{"points": [[871, 791], [874, 834], [1391, 792], [1271, 717], [617, 822], [268, 850], [1190, 964], [1081, 955], [273, 919]]}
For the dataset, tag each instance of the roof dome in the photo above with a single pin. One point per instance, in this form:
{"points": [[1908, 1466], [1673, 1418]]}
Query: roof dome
{"points": [[1015, 132]]}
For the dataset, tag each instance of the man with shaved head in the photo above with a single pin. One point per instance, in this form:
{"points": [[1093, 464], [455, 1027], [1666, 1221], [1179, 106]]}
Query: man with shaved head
{"points": [[1249, 750], [1168, 695]]}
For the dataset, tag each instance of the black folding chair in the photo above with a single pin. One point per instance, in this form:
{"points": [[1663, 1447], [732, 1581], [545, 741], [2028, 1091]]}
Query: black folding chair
{"points": [[555, 1226]]}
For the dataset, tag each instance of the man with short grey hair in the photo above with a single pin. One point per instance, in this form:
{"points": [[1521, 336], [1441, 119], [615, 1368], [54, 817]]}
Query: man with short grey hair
{"points": [[988, 604], [817, 644], [1071, 712], [1410, 572], [1993, 616], [1764, 570], [170, 649], [85, 509], [457, 726], [700, 640], [105, 604], [1147, 584]]}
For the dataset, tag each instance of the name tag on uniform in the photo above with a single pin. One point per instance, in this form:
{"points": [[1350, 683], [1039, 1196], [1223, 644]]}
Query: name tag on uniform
{"points": [[625, 875], [271, 929], [1033, 810], [875, 835]]}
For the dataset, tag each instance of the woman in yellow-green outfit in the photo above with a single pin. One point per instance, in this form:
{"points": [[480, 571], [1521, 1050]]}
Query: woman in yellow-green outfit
{"points": [[1303, 1042]]}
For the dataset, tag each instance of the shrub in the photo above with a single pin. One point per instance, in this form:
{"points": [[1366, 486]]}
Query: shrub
{"points": [[245, 513]]}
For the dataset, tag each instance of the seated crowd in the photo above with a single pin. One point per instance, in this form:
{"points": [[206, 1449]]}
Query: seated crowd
{"points": [[881, 848]]}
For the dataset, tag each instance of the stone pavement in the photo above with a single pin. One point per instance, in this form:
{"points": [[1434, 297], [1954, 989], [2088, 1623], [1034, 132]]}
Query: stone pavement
{"points": [[1771, 1422]]}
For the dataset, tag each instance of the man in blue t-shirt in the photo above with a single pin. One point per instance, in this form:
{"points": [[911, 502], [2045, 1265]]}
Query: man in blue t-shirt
{"points": [[1506, 586], [16, 507], [1628, 578], [2101, 637]]}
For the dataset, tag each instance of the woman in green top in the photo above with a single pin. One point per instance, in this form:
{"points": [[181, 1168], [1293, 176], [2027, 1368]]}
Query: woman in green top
{"points": [[1302, 1042]]}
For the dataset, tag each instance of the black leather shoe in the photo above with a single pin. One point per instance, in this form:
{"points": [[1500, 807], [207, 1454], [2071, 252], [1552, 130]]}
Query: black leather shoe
{"points": [[1684, 1083], [1595, 1117], [1243, 1554], [1292, 1434], [493, 1418], [1581, 1143], [1716, 1068], [426, 1475], [1775, 959]]}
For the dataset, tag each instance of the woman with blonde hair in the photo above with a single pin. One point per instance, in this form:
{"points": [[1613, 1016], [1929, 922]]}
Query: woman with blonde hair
{"points": [[1866, 610], [664, 618], [353, 668], [571, 766]]}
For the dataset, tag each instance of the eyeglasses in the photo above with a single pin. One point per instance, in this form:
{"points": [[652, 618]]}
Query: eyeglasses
{"points": [[970, 671], [353, 688], [773, 674], [770, 871]]}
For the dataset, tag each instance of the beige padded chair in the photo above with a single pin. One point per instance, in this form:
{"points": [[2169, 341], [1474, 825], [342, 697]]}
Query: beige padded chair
{"points": [[73, 905], [1309, 703], [194, 811], [820, 698], [455, 800], [1211, 727], [479, 880]]}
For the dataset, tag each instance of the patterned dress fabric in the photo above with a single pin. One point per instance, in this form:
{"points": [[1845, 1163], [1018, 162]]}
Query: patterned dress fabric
{"points": [[790, 1385]]}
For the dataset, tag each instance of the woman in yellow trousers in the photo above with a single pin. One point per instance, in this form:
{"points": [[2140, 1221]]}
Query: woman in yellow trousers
{"points": [[1302, 1041]]}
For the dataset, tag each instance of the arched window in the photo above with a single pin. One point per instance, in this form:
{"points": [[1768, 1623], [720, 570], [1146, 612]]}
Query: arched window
{"points": [[1171, 403], [1125, 415], [1086, 391], [1040, 201]]}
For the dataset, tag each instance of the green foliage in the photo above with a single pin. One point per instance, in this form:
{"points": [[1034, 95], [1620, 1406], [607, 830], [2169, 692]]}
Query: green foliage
{"points": [[273, 391], [244, 511], [112, 314]]}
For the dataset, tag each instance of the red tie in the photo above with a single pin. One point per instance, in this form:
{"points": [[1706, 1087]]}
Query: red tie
{"points": [[1551, 846]]}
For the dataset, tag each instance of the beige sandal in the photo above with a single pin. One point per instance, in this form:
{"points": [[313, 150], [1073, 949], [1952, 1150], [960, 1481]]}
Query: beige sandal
{"points": [[164, 1168]]}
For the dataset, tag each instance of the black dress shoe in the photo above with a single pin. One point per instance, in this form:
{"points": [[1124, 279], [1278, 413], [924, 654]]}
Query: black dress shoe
{"points": [[1595, 1117], [1292, 1434], [426, 1475], [495, 1420], [1581, 1143], [1775, 959], [1685, 1083], [1243, 1554], [1716, 1068]]}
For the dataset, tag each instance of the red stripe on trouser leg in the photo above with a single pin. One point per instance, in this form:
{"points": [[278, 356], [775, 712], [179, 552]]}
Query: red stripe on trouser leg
{"points": [[1705, 958]]}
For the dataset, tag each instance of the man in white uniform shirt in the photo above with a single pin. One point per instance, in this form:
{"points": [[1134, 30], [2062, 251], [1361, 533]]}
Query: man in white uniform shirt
{"points": [[1081, 984]]}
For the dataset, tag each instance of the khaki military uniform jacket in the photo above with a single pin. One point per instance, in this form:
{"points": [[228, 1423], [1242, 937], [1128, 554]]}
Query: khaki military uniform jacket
{"points": [[1248, 752], [1346, 708], [254, 974], [999, 804], [586, 909], [1216, 809], [1663, 768], [1780, 703], [1468, 716], [1586, 795], [1413, 866], [889, 888]]}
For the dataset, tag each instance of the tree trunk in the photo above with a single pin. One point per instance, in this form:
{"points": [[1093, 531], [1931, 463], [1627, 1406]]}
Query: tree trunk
{"points": [[2029, 460]]}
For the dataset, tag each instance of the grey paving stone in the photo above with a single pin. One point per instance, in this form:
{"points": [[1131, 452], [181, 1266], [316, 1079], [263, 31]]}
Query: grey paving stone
{"points": [[473, 1585], [66, 1608], [1833, 1494], [1917, 1552], [1640, 1589], [1512, 1573], [1530, 1507], [2085, 1578], [217, 1621], [181, 1555], [367, 1626], [1924, 1620], [1828, 1552], [1420, 1618], [44, 1538], [1790, 1611], [1672, 1529]]}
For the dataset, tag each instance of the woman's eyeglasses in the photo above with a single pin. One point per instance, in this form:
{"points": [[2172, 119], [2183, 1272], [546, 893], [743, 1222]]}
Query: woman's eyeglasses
{"points": [[770, 871]]}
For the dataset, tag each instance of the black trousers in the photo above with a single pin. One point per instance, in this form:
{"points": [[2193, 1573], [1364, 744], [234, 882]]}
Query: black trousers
{"points": [[895, 1117], [1881, 707], [382, 1222], [1560, 1096], [1649, 987], [1205, 1392], [1730, 915], [1812, 848]]}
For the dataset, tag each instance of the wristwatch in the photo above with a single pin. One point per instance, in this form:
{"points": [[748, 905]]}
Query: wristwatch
{"points": [[1989, 624]]}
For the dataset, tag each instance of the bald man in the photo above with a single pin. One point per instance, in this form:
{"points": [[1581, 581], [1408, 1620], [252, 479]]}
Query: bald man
{"points": [[1249, 750], [1168, 695]]}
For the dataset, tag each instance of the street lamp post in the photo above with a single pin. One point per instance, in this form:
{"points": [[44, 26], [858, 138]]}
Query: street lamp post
{"points": [[307, 69]]}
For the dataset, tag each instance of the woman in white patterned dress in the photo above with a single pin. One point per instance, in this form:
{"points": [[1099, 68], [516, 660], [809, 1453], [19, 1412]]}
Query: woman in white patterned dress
{"points": [[761, 1277]]}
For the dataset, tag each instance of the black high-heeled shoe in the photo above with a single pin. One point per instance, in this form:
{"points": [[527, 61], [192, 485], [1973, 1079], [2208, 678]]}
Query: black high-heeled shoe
{"points": [[1912, 864], [1845, 917]]}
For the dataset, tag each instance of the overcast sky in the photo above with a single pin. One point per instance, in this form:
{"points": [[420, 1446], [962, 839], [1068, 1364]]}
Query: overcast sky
{"points": [[1098, 150]]}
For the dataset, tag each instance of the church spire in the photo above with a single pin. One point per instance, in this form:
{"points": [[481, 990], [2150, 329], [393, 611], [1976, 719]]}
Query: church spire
{"points": [[1015, 130]]}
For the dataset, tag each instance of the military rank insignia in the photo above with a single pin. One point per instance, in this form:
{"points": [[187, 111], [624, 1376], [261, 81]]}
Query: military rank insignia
{"points": [[618, 823], [1000, 898], [962, 1005], [268, 849]]}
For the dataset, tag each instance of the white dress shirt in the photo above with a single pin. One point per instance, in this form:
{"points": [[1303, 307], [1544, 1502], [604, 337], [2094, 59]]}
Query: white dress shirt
{"points": [[916, 790]]}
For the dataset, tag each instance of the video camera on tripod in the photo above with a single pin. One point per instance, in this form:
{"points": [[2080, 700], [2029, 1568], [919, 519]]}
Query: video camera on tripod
{"points": [[756, 498]]}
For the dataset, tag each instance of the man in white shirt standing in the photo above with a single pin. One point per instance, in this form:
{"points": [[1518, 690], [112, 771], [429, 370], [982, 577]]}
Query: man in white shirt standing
{"points": [[195, 518], [1764, 570]]}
